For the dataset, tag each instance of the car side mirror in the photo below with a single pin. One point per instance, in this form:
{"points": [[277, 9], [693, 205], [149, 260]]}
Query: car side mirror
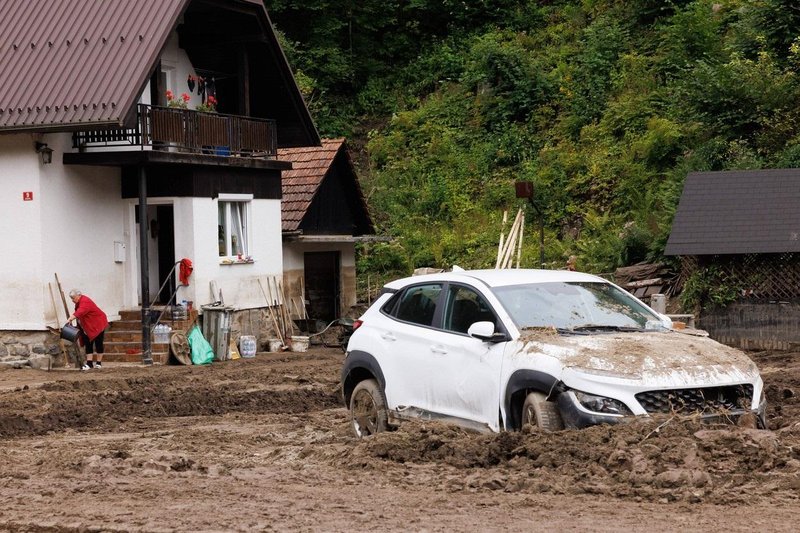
{"points": [[485, 332]]}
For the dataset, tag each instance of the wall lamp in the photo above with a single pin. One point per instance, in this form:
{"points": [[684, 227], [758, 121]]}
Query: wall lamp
{"points": [[45, 152]]}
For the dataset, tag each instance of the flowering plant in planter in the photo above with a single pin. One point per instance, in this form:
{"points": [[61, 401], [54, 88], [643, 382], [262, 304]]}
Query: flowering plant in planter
{"points": [[180, 103], [210, 106]]}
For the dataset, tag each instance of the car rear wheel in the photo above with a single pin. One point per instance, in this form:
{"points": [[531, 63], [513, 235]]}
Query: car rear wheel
{"points": [[368, 409], [537, 411]]}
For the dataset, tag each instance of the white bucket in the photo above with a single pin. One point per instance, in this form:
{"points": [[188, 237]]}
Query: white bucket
{"points": [[275, 345], [247, 345], [299, 344]]}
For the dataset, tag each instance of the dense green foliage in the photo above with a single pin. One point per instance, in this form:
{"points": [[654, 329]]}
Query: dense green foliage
{"points": [[604, 105]]}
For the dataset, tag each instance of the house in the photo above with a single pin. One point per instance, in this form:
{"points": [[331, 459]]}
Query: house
{"points": [[738, 235], [323, 215], [109, 184]]}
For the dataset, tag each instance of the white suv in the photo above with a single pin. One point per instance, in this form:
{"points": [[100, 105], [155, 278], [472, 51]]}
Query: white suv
{"points": [[497, 349]]}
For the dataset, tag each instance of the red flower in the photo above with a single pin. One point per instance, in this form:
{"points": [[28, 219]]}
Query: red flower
{"points": [[170, 95], [185, 97], [212, 100]]}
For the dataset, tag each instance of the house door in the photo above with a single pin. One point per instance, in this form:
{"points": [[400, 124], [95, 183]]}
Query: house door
{"points": [[322, 285], [160, 251], [166, 251]]}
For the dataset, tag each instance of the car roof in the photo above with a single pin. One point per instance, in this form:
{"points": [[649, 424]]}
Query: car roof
{"points": [[500, 277]]}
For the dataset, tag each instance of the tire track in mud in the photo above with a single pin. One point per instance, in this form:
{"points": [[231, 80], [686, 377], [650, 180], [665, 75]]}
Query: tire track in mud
{"points": [[94, 404]]}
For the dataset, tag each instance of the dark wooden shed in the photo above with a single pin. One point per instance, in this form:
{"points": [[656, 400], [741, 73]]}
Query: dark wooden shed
{"points": [[738, 236]]}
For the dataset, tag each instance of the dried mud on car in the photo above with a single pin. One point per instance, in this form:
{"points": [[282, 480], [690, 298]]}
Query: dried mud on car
{"points": [[265, 444]]}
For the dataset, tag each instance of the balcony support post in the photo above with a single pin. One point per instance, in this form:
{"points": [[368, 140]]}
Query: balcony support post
{"points": [[144, 269]]}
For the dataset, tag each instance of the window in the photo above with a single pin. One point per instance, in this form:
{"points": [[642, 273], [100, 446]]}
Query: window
{"points": [[464, 307], [233, 227], [418, 304]]}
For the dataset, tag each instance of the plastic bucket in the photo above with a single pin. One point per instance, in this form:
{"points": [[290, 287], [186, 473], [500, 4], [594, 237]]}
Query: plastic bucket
{"points": [[275, 345], [247, 346], [299, 344], [70, 333]]}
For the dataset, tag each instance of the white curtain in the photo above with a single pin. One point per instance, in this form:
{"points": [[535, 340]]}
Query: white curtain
{"points": [[239, 228]]}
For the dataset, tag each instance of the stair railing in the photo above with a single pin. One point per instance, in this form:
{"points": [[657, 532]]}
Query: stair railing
{"points": [[172, 296]]}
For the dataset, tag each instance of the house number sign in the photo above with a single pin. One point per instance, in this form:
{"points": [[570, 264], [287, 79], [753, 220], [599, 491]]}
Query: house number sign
{"points": [[27, 196]]}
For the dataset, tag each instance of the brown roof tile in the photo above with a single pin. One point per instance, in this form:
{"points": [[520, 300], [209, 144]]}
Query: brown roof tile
{"points": [[309, 166]]}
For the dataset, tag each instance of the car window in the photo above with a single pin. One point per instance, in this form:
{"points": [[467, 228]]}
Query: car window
{"points": [[418, 304], [570, 305], [463, 308]]}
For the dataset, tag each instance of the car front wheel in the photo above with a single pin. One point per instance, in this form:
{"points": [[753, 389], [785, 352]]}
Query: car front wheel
{"points": [[537, 411], [368, 409]]}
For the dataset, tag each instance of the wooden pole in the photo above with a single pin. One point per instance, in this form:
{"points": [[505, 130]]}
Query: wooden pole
{"points": [[521, 233], [502, 236], [270, 313], [508, 249], [63, 298], [58, 325], [274, 299], [303, 297], [289, 320]]}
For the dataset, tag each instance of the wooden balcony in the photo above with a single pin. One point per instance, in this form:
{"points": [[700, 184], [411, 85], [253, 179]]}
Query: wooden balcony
{"points": [[188, 131]]}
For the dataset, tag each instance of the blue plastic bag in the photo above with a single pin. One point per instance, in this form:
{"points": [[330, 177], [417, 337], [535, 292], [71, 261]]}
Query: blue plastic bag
{"points": [[202, 353]]}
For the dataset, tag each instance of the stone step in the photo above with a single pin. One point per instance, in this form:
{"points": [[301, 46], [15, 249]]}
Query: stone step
{"points": [[127, 336], [158, 357], [136, 314], [125, 347]]}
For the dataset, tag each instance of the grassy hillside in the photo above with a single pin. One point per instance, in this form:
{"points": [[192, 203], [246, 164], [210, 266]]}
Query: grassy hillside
{"points": [[604, 105]]}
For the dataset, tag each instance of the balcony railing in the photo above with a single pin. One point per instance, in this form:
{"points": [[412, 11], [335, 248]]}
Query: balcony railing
{"points": [[186, 130]]}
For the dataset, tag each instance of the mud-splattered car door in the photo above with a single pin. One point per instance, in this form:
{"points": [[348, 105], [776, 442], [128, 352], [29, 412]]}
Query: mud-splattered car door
{"points": [[466, 385]]}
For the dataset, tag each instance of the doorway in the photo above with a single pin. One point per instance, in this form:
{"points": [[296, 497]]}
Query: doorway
{"points": [[160, 251], [322, 285]]}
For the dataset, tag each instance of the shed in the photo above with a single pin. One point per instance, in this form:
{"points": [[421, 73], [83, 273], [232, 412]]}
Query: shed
{"points": [[323, 215], [738, 236]]}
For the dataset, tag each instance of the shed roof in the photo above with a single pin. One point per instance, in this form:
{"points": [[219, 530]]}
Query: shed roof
{"points": [[78, 62], [737, 212], [310, 165]]}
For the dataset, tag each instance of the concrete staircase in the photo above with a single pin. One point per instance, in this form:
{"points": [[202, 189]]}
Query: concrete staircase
{"points": [[123, 339]]}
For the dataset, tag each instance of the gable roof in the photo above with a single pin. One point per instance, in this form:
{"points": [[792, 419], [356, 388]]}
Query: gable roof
{"points": [[84, 63], [737, 212], [80, 62], [310, 166]]}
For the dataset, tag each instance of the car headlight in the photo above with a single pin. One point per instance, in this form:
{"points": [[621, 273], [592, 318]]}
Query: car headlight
{"points": [[601, 404]]}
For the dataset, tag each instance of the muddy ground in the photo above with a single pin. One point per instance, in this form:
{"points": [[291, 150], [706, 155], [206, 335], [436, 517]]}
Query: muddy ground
{"points": [[263, 444]]}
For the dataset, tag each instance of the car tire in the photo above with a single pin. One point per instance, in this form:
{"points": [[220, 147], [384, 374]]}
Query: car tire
{"points": [[368, 414], [537, 411]]}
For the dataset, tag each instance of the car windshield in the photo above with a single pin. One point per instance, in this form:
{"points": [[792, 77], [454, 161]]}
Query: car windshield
{"points": [[576, 307]]}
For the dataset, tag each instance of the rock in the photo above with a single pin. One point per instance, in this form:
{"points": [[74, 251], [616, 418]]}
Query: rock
{"points": [[3, 350], [40, 361], [15, 363], [19, 349], [38, 349]]}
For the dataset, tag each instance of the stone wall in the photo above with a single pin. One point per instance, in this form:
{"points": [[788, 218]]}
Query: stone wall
{"points": [[256, 322], [38, 349], [755, 325]]}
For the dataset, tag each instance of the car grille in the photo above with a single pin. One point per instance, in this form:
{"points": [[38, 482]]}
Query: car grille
{"points": [[687, 401]]}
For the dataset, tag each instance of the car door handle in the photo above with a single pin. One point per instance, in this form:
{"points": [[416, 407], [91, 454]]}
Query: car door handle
{"points": [[388, 337], [438, 348]]}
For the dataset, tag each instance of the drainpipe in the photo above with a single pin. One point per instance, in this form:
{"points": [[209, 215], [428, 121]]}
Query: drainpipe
{"points": [[147, 356]]}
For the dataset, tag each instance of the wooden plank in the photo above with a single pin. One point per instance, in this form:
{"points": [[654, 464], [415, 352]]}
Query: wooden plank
{"points": [[644, 283]]}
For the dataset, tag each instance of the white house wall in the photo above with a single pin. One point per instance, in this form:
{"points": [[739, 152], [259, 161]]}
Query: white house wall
{"points": [[69, 227], [196, 239], [20, 270], [239, 282]]}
